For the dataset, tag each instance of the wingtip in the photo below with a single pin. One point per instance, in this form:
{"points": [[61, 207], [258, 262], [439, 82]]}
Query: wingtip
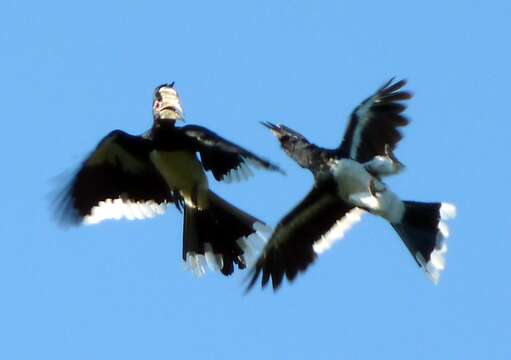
{"points": [[280, 171], [402, 82], [252, 277], [392, 89], [392, 83], [276, 281]]}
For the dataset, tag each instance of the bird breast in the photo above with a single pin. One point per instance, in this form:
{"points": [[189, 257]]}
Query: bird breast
{"points": [[183, 172], [351, 177]]}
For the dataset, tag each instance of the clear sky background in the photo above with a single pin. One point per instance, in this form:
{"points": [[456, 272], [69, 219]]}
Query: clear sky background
{"points": [[72, 72]]}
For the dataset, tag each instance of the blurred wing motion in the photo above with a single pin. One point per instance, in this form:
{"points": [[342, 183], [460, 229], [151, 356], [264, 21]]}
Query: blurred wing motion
{"points": [[227, 161], [374, 123], [117, 180], [308, 229]]}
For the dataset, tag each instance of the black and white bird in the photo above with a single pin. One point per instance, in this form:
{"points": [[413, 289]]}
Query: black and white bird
{"points": [[137, 177], [348, 183]]}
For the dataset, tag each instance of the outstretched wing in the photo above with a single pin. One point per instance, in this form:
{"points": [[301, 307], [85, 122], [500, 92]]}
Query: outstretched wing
{"points": [[308, 229], [116, 180], [295, 145], [226, 160], [375, 122]]}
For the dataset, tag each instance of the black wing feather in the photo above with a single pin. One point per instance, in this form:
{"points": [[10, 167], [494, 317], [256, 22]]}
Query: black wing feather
{"points": [[375, 122], [119, 167], [290, 248], [221, 156]]}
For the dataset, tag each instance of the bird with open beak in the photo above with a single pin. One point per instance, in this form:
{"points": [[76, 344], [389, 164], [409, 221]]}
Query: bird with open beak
{"points": [[349, 183], [166, 104], [137, 177]]}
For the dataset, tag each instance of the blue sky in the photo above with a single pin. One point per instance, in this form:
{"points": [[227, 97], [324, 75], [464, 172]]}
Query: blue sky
{"points": [[72, 72]]}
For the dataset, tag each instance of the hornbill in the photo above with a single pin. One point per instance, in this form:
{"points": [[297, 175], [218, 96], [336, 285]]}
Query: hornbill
{"points": [[348, 183], [136, 177]]}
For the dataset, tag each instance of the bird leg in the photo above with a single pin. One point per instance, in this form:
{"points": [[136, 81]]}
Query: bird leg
{"points": [[375, 187], [386, 165], [398, 165]]}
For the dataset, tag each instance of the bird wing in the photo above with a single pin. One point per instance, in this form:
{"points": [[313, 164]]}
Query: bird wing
{"points": [[294, 144], [307, 230], [116, 180], [226, 160], [374, 123]]}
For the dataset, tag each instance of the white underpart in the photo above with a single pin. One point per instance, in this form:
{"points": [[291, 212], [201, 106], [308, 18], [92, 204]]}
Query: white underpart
{"points": [[365, 200], [353, 187], [436, 263], [118, 209], [182, 170], [338, 230], [383, 166], [352, 178], [251, 246], [389, 206], [363, 114]]}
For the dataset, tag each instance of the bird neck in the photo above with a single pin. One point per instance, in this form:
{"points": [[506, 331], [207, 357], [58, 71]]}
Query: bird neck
{"points": [[164, 126]]}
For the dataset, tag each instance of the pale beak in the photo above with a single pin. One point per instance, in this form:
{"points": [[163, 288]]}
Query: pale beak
{"points": [[179, 112], [168, 106], [180, 116]]}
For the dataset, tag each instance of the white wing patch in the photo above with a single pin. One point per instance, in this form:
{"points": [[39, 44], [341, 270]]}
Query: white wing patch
{"points": [[118, 208], [338, 230], [242, 172], [253, 244], [363, 114]]}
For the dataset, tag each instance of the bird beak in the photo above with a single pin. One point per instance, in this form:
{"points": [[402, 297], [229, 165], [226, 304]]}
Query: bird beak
{"points": [[273, 128], [179, 112], [180, 116]]}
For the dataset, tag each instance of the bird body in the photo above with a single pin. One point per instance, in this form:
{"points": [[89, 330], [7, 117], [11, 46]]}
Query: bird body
{"points": [[348, 183], [352, 179], [137, 177], [174, 156], [360, 188], [182, 170]]}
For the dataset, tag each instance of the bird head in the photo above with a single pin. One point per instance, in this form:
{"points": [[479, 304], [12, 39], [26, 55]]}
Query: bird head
{"points": [[166, 104]]}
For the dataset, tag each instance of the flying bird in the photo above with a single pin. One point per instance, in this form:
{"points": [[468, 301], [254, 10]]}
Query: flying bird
{"points": [[347, 184], [137, 177]]}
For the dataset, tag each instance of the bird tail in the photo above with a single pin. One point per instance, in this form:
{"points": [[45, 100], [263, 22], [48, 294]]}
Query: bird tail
{"points": [[220, 237], [424, 233]]}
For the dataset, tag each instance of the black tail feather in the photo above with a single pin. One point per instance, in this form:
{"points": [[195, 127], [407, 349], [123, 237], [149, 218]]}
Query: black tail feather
{"points": [[424, 233], [219, 236]]}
